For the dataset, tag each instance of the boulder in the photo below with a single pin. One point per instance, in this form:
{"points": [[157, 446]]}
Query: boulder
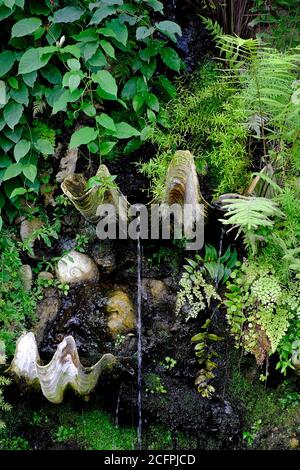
{"points": [[104, 255], [26, 276], [120, 312]]}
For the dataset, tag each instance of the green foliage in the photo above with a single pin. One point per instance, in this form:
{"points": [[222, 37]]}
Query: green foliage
{"points": [[98, 431], [77, 60], [205, 355], [4, 407], [154, 385], [14, 443], [64, 433], [17, 306], [286, 346], [281, 250], [169, 363], [251, 215], [44, 136], [45, 233], [218, 267], [277, 22], [195, 293], [268, 91], [81, 242], [165, 255], [290, 400], [249, 436], [259, 309], [260, 403], [204, 119], [103, 183]]}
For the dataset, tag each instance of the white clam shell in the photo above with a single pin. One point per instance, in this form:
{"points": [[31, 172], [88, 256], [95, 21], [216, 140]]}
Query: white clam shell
{"points": [[63, 371]]}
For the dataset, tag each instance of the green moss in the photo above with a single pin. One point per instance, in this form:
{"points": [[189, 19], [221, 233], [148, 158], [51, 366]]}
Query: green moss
{"points": [[98, 431], [271, 406]]}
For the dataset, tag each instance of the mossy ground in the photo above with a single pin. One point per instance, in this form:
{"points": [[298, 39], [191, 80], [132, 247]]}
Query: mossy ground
{"points": [[63, 427], [264, 406]]}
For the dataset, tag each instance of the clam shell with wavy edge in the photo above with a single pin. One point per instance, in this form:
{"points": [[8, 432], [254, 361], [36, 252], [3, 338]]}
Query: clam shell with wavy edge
{"points": [[63, 371]]}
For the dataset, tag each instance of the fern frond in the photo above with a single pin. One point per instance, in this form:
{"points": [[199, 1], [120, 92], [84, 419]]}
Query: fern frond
{"points": [[250, 213], [266, 178]]}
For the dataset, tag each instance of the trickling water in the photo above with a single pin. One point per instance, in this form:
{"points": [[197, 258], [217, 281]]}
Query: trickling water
{"points": [[221, 243], [139, 342], [118, 408], [220, 254]]}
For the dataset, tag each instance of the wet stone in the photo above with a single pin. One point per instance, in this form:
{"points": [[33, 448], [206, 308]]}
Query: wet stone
{"points": [[81, 315]]}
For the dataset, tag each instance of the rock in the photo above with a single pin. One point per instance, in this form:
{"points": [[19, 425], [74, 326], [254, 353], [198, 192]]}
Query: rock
{"points": [[158, 300], [27, 229], [77, 268], [47, 309], [294, 443], [26, 276], [45, 275], [158, 290], [121, 313], [81, 314], [67, 165], [104, 255]]}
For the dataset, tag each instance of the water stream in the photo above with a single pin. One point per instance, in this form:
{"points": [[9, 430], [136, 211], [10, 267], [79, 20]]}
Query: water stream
{"points": [[220, 254], [118, 408], [139, 342]]}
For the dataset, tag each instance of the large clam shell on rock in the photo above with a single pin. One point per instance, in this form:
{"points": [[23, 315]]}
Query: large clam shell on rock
{"points": [[87, 201], [63, 371], [182, 188]]}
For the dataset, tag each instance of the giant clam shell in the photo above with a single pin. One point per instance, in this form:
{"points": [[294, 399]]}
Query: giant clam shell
{"points": [[63, 371], [88, 201], [182, 186]]}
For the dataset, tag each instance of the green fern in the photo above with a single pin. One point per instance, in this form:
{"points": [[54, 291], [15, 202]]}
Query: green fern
{"points": [[213, 27], [4, 406], [269, 88], [249, 215]]}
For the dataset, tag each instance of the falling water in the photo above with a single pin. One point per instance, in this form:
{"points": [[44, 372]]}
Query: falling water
{"points": [[221, 243], [118, 408], [220, 254], [139, 344]]}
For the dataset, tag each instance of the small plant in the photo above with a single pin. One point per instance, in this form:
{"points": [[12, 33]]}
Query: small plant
{"points": [[64, 434], [169, 363], [249, 436], [17, 306], [63, 287], [260, 311], [218, 267], [195, 292], [14, 443], [290, 400], [205, 354], [119, 340], [46, 233], [154, 385], [81, 242], [5, 407], [103, 183]]}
